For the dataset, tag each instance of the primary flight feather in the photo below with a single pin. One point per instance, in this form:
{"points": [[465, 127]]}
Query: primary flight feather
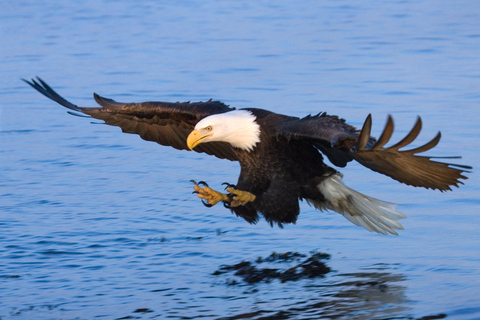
{"points": [[280, 156]]}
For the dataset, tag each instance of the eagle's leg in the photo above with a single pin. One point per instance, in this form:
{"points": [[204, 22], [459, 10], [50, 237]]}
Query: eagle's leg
{"points": [[239, 197], [213, 197]]}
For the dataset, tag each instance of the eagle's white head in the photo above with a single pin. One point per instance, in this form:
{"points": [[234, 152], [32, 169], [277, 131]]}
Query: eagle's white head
{"points": [[237, 127]]}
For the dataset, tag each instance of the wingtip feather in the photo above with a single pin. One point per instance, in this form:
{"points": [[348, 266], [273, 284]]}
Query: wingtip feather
{"points": [[364, 136], [42, 87], [410, 168]]}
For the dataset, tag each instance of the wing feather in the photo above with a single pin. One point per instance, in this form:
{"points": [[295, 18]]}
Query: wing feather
{"points": [[166, 123], [342, 143], [407, 166], [323, 131], [365, 133], [410, 137], [386, 134]]}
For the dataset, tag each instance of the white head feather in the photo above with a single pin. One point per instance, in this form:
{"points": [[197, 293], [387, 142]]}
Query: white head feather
{"points": [[237, 127]]}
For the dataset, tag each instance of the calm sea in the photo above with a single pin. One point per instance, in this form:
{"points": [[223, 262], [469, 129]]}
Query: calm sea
{"points": [[97, 224]]}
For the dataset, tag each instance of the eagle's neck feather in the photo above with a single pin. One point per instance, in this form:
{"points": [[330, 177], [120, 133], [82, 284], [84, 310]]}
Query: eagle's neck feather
{"points": [[238, 127], [242, 129]]}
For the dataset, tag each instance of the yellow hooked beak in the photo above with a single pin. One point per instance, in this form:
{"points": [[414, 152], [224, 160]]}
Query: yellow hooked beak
{"points": [[196, 137]]}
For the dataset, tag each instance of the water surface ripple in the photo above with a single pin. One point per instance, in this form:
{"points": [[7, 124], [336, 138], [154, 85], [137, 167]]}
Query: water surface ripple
{"points": [[99, 224]]}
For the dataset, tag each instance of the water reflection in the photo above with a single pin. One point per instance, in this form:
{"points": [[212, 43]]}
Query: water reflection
{"points": [[363, 295]]}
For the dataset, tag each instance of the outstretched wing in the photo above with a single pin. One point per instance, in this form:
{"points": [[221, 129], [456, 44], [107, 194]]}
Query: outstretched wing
{"points": [[341, 143], [166, 123]]}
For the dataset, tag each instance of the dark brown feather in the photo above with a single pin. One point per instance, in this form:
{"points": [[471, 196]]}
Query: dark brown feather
{"points": [[170, 123], [386, 134], [406, 166], [166, 123], [412, 135], [341, 143], [365, 133], [323, 131]]}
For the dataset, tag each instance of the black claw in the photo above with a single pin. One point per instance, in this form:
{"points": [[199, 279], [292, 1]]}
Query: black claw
{"points": [[208, 205], [227, 205], [199, 183], [203, 182], [195, 192], [229, 185]]}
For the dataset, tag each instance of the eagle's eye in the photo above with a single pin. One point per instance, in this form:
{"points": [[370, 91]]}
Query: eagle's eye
{"points": [[209, 128]]}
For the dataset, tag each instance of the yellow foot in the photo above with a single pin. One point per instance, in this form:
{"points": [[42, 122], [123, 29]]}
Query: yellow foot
{"points": [[235, 197], [240, 197], [213, 197]]}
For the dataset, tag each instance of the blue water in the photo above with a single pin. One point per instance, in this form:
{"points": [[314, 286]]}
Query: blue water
{"points": [[96, 224]]}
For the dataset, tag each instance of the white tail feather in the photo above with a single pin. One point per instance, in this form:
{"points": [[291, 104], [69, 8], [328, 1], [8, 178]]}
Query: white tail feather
{"points": [[364, 211]]}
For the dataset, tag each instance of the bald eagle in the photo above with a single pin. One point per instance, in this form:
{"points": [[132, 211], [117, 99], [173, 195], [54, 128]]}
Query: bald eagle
{"points": [[280, 156]]}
